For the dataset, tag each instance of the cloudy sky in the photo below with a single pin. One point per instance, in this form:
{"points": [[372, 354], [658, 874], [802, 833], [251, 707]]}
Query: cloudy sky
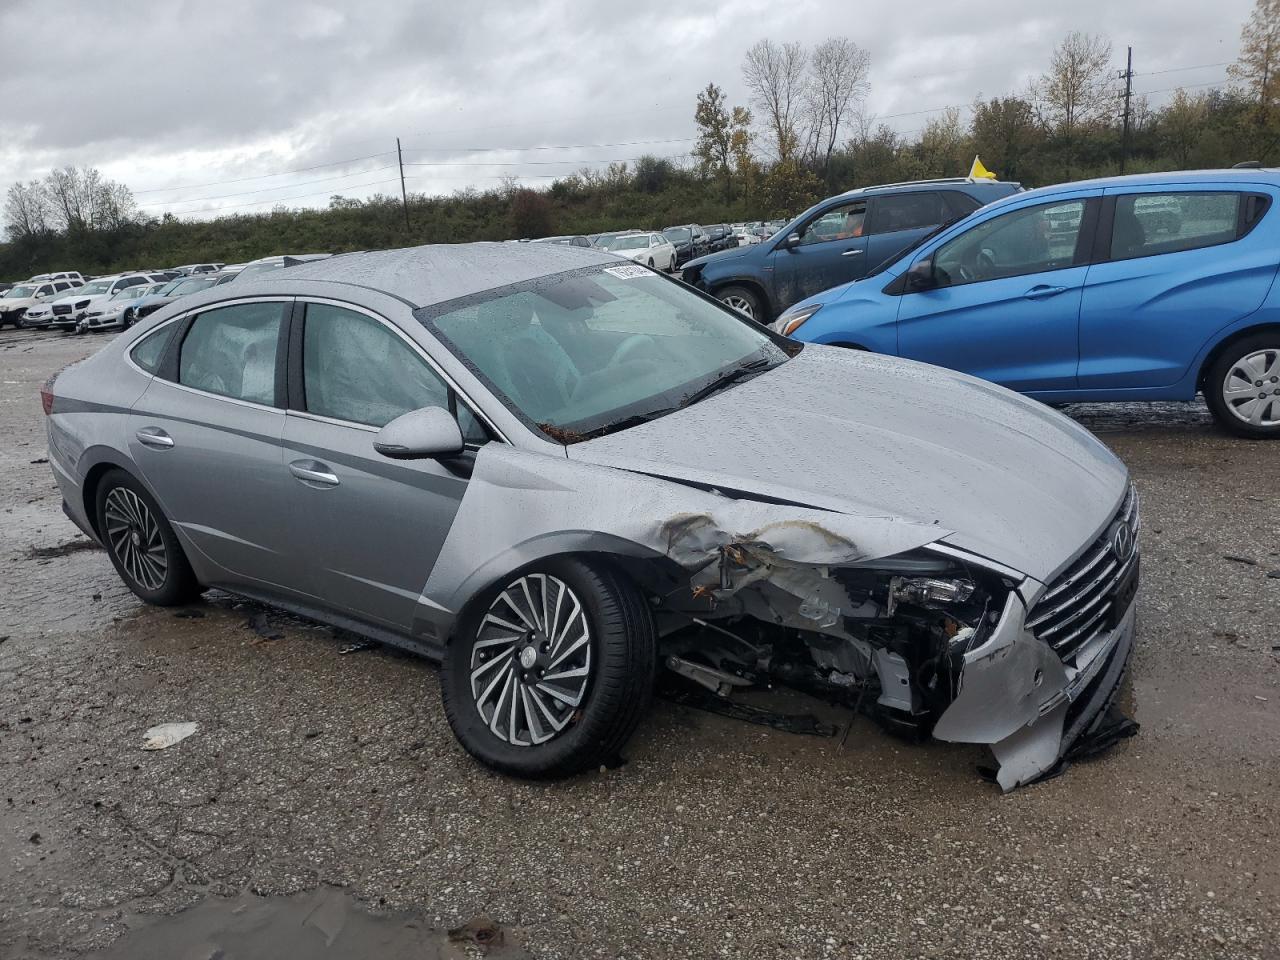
{"points": [[232, 107]]}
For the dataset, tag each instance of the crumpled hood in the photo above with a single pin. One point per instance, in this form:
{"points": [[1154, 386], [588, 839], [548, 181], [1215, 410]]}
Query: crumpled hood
{"points": [[879, 436]]}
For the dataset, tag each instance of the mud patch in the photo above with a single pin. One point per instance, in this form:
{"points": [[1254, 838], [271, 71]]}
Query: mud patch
{"points": [[61, 550], [326, 922]]}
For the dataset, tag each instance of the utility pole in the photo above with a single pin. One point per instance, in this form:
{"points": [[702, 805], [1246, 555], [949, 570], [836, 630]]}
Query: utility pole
{"points": [[1127, 76], [404, 197]]}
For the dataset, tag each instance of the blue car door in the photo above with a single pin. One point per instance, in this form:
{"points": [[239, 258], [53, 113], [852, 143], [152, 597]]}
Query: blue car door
{"points": [[1004, 301], [897, 220], [1179, 262], [828, 250]]}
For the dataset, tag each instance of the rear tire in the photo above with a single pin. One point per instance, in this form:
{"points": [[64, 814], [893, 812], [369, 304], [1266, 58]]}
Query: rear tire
{"points": [[743, 300], [1242, 387], [592, 714], [141, 543]]}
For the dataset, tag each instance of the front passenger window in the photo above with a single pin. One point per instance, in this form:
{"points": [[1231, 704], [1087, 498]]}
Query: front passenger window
{"points": [[355, 369], [844, 222], [1021, 242], [231, 351]]}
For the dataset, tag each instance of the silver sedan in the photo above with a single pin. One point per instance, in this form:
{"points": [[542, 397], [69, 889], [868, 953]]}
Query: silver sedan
{"points": [[558, 473]]}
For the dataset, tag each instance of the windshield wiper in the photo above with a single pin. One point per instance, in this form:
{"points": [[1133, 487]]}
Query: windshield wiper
{"points": [[736, 375]]}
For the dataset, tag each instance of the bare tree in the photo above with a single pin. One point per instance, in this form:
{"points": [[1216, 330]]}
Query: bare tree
{"points": [[26, 211], [838, 71], [1077, 91], [775, 75], [82, 199]]}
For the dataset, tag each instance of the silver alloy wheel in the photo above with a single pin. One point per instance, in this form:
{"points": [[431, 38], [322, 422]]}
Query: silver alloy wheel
{"points": [[1251, 388], [134, 537], [741, 304], [531, 662]]}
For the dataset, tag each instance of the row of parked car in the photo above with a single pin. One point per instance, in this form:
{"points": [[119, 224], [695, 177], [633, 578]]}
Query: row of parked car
{"points": [[71, 302], [1151, 287], [673, 247]]}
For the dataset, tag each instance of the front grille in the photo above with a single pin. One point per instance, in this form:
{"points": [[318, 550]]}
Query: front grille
{"points": [[1077, 606]]}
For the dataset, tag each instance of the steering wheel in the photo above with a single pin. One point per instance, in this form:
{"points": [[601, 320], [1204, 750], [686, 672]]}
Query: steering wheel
{"points": [[634, 342], [980, 267]]}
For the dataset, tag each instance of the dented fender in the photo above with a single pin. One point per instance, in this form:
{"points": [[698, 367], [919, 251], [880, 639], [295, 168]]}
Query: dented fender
{"points": [[521, 506]]}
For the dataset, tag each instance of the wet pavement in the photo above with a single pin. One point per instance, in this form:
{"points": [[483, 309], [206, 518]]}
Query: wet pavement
{"points": [[324, 784]]}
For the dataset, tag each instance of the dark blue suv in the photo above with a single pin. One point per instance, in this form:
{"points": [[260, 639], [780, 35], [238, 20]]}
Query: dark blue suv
{"points": [[836, 241]]}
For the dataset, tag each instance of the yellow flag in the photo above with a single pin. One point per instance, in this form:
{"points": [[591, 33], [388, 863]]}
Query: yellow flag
{"points": [[979, 172]]}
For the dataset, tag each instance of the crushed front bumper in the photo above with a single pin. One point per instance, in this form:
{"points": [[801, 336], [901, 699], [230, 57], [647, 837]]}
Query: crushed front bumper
{"points": [[1020, 698]]}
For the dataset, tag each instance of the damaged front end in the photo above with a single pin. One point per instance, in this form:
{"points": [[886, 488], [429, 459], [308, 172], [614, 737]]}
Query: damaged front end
{"points": [[879, 613], [931, 641]]}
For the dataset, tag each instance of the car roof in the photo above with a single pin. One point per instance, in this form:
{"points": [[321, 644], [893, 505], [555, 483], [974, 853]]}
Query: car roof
{"points": [[908, 186], [435, 273], [1268, 175]]}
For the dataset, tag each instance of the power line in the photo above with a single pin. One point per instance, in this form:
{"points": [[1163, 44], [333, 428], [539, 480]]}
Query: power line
{"points": [[569, 146], [300, 196], [262, 176], [1199, 66], [278, 186], [527, 163]]}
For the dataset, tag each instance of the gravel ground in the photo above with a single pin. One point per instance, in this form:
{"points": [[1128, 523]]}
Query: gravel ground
{"points": [[315, 769]]}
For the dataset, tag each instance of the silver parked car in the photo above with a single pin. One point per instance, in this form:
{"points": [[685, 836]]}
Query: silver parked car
{"points": [[555, 472]]}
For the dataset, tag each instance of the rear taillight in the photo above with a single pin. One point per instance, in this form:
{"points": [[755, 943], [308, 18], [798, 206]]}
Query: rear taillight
{"points": [[46, 395]]}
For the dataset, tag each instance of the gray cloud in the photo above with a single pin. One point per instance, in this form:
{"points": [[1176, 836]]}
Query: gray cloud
{"points": [[186, 93]]}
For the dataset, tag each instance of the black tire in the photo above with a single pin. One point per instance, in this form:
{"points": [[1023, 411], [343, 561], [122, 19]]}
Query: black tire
{"points": [[746, 299], [619, 686], [126, 320], [178, 584], [1266, 384]]}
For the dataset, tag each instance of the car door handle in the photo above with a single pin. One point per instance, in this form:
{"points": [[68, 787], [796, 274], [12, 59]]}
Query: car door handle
{"points": [[1040, 292], [154, 437], [313, 471], [856, 252]]}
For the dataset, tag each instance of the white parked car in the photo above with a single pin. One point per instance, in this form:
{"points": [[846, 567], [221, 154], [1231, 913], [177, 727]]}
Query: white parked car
{"points": [[22, 299], [651, 248], [72, 275], [121, 308], [69, 312]]}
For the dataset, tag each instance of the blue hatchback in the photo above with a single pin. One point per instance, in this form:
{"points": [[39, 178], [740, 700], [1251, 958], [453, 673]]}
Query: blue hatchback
{"points": [[1151, 287]]}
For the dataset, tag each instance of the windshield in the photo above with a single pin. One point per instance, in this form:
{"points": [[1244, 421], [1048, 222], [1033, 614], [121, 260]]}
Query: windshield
{"points": [[633, 242], [26, 291], [92, 288], [129, 293], [190, 285], [590, 349], [254, 269]]}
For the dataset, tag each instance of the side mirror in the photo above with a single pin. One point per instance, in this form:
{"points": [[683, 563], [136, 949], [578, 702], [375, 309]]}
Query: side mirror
{"points": [[920, 276], [793, 240], [420, 435]]}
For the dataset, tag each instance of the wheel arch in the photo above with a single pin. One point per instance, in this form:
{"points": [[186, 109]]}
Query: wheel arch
{"points": [[752, 284], [1219, 348]]}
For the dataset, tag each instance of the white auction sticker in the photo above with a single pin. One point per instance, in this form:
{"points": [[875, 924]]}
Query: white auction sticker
{"points": [[627, 272]]}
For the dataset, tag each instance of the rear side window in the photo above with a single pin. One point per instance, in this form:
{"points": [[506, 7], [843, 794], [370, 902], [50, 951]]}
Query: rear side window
{"points": [[1148, 224], [232, 351], [907, 211], [150, 351], [959, 204]]}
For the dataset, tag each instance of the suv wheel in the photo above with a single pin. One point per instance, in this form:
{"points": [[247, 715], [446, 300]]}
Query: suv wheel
{"points": [[1242, 387], [141, 543], [744, 301], [553, 673]]}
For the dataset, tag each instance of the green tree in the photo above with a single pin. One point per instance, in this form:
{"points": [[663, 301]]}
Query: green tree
{"points": [[1257, 71], [723, 135]]}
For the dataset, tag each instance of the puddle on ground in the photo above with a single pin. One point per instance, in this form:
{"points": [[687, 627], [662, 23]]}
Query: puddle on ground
{"points": [[323, 923]]}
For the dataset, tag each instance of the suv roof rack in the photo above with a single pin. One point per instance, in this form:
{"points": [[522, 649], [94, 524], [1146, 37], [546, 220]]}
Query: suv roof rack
{"points": [[912, 183]]}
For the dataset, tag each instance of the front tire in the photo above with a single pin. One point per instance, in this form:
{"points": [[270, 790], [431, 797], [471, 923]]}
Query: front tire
{"points": [[744, 301], [1242, 387], [141, 544], [552, 674]]}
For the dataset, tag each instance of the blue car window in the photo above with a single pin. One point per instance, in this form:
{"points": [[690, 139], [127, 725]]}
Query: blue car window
{"points": [[1020, 242], [1148, 224], [843, 222]]}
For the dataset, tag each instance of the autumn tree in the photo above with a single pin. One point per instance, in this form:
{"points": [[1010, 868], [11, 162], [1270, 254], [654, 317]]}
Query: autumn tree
{"points": [[775, 75], [1004, 131], [724, 136], [1257, 71], [1181, 124], [1077, 90]]}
